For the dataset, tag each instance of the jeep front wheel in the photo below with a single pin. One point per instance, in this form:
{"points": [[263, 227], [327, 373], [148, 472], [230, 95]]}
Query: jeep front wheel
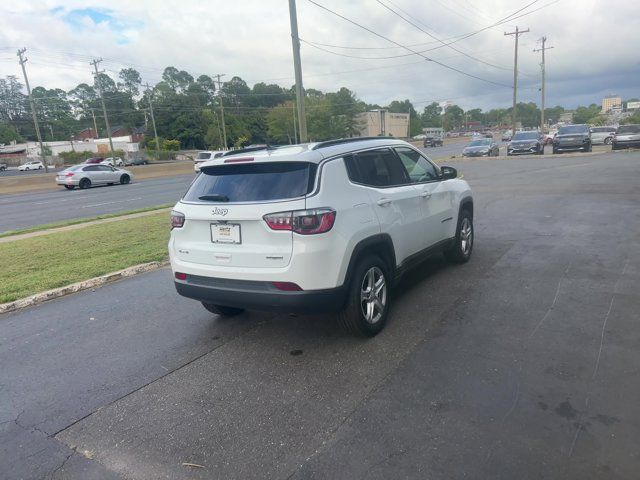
{"points": [[460, 252], [367, 304]]}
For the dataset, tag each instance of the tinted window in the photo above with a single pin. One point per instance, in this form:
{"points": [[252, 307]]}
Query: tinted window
{"points": [[418, 167], [480, 143], [203, 156], [573, 129], [103, 168], [526, 136], [378, 168], [628, 129], [252, 182], [93, 168]]}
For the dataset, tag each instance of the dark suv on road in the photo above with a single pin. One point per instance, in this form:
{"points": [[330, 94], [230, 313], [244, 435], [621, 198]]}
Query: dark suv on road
{"points": [[433, 142], [571, 138]]}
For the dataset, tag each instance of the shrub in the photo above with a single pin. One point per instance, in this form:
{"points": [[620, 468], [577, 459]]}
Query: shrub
{"points": [[172, 145]]}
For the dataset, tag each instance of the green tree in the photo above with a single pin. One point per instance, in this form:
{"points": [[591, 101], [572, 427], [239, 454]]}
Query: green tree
{"points": [[453, 118], [130, 81], [431, 115], [9, 134], [584, 114]]}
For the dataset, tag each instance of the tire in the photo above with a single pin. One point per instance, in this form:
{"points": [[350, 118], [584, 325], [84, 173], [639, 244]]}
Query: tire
{"points": [[125, 179], [588, 149], [607, 141], [69, 187], [555, 152], [84, 183], [461, 250], [40, 167], [26, 169], [367, 306], [222, 310]]}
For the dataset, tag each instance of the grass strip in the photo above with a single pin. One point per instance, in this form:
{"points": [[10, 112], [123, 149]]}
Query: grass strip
{"points": [[76, 221], [41, 263]]}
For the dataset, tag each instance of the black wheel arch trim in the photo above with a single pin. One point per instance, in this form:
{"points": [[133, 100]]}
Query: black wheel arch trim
{"points": [[372, 245]]}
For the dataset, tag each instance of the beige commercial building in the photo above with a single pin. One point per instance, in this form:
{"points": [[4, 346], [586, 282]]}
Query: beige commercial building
{"points": [[611, 102], [383, 123]]}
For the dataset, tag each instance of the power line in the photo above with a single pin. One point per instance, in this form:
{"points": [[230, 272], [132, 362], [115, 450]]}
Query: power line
{"points": [[408, 48], [434, 37]]}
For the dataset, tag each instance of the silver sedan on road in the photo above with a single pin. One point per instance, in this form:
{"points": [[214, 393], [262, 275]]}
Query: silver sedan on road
{"points": [[85, 176]]}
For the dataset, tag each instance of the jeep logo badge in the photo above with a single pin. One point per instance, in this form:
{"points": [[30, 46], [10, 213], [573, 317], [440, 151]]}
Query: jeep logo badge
{"points": [[220, 211]]}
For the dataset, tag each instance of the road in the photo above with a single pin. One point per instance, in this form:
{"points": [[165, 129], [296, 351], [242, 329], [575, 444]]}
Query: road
{"points": [[522, 363], [37, 208], [14, 172]]}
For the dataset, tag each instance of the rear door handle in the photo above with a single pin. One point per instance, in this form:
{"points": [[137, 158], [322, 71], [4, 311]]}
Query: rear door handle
{"points": [[383, 202], [425, 194]]}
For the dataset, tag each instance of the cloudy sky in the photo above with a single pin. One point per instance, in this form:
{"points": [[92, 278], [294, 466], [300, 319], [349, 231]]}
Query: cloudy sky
{"points": [[595, 45]]}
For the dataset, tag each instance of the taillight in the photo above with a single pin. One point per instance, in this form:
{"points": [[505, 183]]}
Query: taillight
{"points": [[304, 222], [177, 219], [69, 174], [180, 276]]}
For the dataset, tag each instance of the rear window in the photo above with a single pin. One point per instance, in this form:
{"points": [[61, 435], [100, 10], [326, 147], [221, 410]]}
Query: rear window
{"points": [[203, 156], [603, 129], [252, 182], [628, 129]]}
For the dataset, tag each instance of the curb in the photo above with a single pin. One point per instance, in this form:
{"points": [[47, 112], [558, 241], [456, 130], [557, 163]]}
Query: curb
{"points": [[41, 297]]}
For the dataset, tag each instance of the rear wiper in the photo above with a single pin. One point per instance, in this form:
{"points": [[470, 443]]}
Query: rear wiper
{"points": [[214, 198]]}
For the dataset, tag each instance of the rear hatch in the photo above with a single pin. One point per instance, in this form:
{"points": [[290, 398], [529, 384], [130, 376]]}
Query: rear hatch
{"points": [[224, 210]]}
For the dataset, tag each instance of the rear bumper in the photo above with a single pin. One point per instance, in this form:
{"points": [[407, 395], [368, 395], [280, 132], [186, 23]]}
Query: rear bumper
{"points": [[571, 148], [254, 295], [65, 181]]}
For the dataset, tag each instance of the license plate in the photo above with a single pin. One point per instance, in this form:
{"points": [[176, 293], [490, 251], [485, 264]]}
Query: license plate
{"points": [[225, 233]]}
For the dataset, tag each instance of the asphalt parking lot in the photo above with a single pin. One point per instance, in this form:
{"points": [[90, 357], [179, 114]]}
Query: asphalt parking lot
{"points": [[522, 363]]}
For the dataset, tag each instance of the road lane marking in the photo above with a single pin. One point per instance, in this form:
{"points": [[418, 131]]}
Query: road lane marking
{"points": [[109, 203]]}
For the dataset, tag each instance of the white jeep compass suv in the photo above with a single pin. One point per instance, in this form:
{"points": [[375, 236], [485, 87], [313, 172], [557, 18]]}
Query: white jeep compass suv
{"points": [[317, 227]]}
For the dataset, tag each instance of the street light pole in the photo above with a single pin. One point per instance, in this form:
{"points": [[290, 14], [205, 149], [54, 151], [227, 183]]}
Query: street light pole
{"points": [[544, 40]]}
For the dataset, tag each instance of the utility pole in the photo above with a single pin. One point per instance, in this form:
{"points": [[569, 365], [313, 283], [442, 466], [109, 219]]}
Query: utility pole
{"points": [[295, 41], [153, 121], [33, 107], [517, 34], [295, 128], [104, 109], [224, 129], [544, 40], [95, 125]]}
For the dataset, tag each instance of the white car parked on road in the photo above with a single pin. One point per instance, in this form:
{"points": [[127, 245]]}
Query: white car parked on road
{"points": [[32, 165], [109, 161], [316, 227]]}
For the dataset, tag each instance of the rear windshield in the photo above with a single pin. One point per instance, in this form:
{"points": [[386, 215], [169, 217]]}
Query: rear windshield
{"points": [[526, 136], [252, 182], [573, 129], [203, 156], [629, 129]]}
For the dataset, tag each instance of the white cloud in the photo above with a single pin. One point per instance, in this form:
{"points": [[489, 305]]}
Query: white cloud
{"points": [[595, 46]]}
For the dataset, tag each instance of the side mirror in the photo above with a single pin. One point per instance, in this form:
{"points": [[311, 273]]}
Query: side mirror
{"points": [[448, 173]]}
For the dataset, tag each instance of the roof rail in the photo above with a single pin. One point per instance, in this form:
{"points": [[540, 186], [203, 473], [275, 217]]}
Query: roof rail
{"points": [[340, 141], [249, 149]]}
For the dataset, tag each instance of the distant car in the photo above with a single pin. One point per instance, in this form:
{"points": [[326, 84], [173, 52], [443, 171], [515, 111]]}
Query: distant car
{"points": [[136, 161], [32, 165], [85, 176], [94, 160], [572, 138], [433, 142], [626, 136], [526, 143], [204, 156], [422, 136], [506, 136], [481, 147], [600, 135], [110, 161], [3, 167]]}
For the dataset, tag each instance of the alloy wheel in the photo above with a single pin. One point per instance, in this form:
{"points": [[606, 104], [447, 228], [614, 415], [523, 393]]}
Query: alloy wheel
{"points": [[466, 236], [373, 295]]}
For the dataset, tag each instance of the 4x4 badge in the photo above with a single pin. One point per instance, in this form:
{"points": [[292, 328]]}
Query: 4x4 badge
{"points": [[220, 211]]}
